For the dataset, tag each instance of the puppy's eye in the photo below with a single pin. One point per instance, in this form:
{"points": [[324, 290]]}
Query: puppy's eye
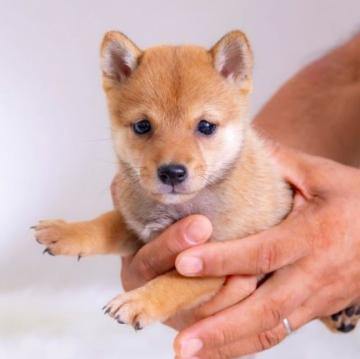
{"points": [[206, 128], [142, 127]]}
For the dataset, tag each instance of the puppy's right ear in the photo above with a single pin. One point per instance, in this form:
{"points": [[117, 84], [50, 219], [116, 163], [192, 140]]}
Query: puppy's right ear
{"points": [[119, 56]]}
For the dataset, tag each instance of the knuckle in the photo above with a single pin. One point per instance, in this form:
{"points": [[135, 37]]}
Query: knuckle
{"points": [[268, 339], [266, 259], [271, 314], [220, 338]]}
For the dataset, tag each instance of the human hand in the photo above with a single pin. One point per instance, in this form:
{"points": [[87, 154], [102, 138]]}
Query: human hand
{"points": [[315, 253], [158, 257]]}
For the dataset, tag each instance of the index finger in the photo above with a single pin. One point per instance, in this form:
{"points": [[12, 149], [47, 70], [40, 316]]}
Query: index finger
{"points": [[158, 256], [257, 254], [275, 300]]}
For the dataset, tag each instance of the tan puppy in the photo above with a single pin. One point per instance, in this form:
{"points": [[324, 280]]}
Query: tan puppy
{"points": [[184, 145]]}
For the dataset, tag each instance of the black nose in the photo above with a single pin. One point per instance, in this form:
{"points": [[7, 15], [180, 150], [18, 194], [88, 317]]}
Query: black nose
{"points": [[172, 174]]}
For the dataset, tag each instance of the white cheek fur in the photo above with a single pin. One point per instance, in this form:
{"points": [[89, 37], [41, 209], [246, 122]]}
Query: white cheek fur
{"points": [[233, 138], [231, 143]]}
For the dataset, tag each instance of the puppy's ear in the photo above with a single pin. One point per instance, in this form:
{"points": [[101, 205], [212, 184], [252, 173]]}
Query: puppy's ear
{"points": [[233, 59], [119, 56]]}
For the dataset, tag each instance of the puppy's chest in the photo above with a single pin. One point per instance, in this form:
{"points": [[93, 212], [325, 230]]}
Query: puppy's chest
{"points": [[150, 219]]}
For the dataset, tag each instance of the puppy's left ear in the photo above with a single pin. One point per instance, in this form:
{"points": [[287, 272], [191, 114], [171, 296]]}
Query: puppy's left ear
{"points": [[233, 59]]}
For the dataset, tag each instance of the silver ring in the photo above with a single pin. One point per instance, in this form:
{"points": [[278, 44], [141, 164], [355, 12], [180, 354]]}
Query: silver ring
{"points": [[287, 326]]}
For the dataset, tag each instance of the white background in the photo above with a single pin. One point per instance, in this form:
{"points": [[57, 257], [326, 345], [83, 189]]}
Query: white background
{"points": [[56, 156]]}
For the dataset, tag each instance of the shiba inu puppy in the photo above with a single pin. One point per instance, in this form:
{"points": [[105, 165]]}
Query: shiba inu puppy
{"points": [[184, 145]]}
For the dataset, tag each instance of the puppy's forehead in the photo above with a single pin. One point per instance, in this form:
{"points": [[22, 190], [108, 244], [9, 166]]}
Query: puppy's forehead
{"points": [[175, 78], [175, 61]]}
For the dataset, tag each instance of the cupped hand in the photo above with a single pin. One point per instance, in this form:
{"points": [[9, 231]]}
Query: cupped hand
{"points": [[158, 257], [314, 255]]}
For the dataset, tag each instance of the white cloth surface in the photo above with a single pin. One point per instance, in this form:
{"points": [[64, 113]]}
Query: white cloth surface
{"points": [[69, 324]]}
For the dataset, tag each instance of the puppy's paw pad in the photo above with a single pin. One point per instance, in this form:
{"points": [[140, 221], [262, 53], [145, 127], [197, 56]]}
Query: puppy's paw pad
{"points": [[132, 308]]}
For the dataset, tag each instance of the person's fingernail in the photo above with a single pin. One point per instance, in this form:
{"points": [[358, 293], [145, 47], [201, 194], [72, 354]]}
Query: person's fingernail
{"points": [[188, 265], [197, 231], [190, 347]]}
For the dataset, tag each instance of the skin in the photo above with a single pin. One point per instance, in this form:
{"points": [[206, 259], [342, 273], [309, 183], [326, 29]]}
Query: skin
{"points": [[314, 253]]}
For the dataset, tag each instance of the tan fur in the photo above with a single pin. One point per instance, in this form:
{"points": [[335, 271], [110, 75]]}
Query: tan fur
{"points": [[161, 298], [232, 178], [98, 236]]}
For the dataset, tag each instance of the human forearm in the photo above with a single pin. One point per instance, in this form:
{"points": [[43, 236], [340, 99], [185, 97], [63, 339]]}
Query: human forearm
{"points": [[318, 110]]}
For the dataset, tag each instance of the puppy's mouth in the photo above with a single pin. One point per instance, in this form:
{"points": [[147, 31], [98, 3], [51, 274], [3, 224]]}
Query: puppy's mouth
{"points": [[172, 194], [174, 191]]}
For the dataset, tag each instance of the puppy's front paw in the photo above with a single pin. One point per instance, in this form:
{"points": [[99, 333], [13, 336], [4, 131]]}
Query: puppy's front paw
{"points": [[59, 238], [135, 308]]}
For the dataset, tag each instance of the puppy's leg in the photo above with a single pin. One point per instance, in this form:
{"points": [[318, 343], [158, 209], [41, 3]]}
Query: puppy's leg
{"points": [[161, 298], [106, 234]]}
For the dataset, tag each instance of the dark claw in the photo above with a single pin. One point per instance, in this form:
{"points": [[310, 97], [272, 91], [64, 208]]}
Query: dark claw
{"points": [[350, 311], [48, 251], [137, 326], [119, 320], [346, 328], [33, 227], [336, 316], [79, 257], [107, 311], [37, 240]]}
